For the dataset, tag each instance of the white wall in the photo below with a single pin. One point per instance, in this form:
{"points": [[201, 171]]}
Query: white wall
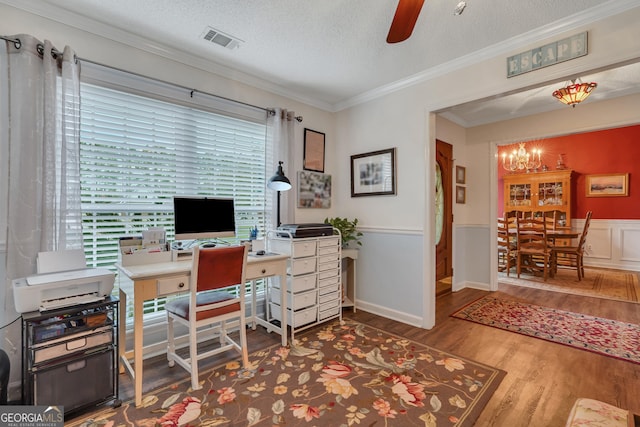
{"points": [[403, 119]]}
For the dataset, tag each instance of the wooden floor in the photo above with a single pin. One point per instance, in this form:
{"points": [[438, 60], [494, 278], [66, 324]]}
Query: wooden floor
{"points": [[543, 379]]}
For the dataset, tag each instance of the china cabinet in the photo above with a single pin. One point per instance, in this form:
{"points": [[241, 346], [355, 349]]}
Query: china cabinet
{"points": [[539, 194]]}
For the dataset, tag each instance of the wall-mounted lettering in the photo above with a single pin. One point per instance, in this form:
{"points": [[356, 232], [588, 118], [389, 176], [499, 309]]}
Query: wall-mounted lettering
{"points": [[549, 54]]}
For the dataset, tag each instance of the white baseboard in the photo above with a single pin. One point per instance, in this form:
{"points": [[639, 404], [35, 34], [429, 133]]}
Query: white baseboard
{"points": [[472, 285], [390, 314]]}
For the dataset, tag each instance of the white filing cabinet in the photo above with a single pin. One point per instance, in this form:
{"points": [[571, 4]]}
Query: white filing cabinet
{"points": [[314, 280]]}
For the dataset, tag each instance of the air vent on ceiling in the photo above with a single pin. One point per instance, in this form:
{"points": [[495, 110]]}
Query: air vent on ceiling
{"points": [[218, 37]]}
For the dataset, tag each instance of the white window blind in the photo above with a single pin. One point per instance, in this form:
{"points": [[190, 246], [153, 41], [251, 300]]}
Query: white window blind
{"points": [[137, 152]]}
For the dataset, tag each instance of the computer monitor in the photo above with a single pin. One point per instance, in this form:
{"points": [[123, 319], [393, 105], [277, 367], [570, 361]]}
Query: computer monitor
{"points": [[200, 217]]}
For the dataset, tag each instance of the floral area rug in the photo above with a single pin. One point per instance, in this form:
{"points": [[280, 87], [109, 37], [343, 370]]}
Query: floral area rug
{"points": [[604, 336], [341, 375]]}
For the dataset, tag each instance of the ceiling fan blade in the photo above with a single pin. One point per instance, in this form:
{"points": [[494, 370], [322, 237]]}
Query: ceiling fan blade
{"points": [[404, 20]]}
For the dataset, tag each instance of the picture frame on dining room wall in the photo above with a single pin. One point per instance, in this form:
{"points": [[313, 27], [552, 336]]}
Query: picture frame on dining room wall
{"points": [[373, 173], [607, 185]]}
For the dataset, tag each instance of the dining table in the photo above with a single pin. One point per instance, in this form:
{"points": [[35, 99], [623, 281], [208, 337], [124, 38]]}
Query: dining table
{"points": [[553, 235]]}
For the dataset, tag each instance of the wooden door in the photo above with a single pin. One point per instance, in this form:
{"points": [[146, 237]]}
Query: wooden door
{"points": [[444, 214]]}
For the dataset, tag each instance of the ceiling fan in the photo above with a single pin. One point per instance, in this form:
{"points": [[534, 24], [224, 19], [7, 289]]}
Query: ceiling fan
{"points": [[406, 16], [404, 20]]}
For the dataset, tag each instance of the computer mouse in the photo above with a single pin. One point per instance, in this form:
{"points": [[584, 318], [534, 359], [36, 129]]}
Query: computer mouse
{"points": [[260, 252]]}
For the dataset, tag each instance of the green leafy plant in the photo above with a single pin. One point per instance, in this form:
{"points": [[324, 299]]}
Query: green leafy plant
{"points": [[348, 230]]}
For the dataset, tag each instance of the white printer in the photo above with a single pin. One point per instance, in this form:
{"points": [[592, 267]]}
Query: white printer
{"points": [[62, 280]]}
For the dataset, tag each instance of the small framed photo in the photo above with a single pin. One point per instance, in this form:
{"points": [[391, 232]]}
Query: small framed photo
{"points": [[461, 194], [607, 185], [461, 175], [374, 173], [313, 157]]}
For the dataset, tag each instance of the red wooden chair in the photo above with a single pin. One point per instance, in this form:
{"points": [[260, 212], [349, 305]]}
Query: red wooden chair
{"points": [[216, 296]]}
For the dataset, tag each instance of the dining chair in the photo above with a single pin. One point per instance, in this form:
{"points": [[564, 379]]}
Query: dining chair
{"points": [[506, 245], [532, 249], [573, 256], [216, 297]]}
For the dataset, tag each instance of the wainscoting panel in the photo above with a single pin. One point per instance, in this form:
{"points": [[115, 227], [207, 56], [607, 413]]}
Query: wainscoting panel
{"points": [[472, 258], [630, 244], [598, 244], [390, 274], [612, 243]]}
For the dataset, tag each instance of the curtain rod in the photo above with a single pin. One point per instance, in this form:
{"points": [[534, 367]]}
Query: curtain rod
{"points": [[16, 42], [39, 47], [270, 111]]}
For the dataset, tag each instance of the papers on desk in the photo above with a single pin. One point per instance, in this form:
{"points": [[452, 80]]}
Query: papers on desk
{"points": [[148, 248]]}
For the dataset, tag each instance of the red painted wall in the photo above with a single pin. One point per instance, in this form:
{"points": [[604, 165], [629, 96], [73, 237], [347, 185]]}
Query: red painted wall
{"points": [[605, 151]]}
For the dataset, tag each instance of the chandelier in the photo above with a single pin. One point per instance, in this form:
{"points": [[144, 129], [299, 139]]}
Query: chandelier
{"points": [[574, 93], [521, 160]]}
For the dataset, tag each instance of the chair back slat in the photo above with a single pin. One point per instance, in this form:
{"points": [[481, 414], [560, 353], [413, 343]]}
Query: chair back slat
{"points": [[532, 235]]}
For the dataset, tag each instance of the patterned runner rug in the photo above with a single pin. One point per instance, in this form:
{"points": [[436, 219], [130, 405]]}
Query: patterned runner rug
{"points": [[342, 375], [608, 337], [618, 285]]}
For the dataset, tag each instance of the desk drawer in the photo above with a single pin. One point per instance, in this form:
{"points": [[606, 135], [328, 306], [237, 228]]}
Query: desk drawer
{"points": [[300, 283], [328, 312], [74, 344], [264, 269], [333, 287], [329, 241], [326, 250], [331, 281], [328, 258], [302, 266], [295, 249], [296, 318], [173, 285], [296, 301]]}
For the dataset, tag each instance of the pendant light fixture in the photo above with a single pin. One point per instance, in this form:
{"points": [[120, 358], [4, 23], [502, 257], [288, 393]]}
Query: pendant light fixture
{"points": [[574, 93]]}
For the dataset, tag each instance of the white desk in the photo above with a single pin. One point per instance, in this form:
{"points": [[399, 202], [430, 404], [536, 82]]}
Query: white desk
{"points": [[151, 281]]}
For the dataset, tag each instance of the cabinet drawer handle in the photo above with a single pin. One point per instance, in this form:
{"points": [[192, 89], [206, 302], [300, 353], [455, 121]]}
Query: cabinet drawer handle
{"points": [[181, 285], [264, 270]]}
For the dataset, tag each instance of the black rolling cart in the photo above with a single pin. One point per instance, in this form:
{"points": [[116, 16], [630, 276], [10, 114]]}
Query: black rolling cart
{"points": [[70, 356]]}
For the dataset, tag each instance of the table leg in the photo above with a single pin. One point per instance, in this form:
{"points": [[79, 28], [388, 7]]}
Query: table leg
{"points": [[254, 305], [122, 329], [283, 310], [138, 344]]}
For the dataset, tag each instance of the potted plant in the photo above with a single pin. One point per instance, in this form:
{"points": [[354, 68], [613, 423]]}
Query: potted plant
{"points": [[348, 230]]}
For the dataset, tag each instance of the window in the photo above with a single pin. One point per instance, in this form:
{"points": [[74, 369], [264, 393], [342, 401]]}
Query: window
{"points": [[138, 150]]}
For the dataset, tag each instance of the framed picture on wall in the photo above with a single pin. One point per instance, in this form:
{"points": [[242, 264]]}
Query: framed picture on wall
{"points": [[461, 194], [313, 157], [374, 173], [607, 185], [461, 175]]}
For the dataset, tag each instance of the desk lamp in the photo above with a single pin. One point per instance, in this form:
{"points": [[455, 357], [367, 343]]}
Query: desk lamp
{"points": [[279, 182]]}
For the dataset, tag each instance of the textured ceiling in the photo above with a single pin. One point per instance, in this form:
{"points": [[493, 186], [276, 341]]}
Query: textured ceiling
{"points": [[323, 52]]}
